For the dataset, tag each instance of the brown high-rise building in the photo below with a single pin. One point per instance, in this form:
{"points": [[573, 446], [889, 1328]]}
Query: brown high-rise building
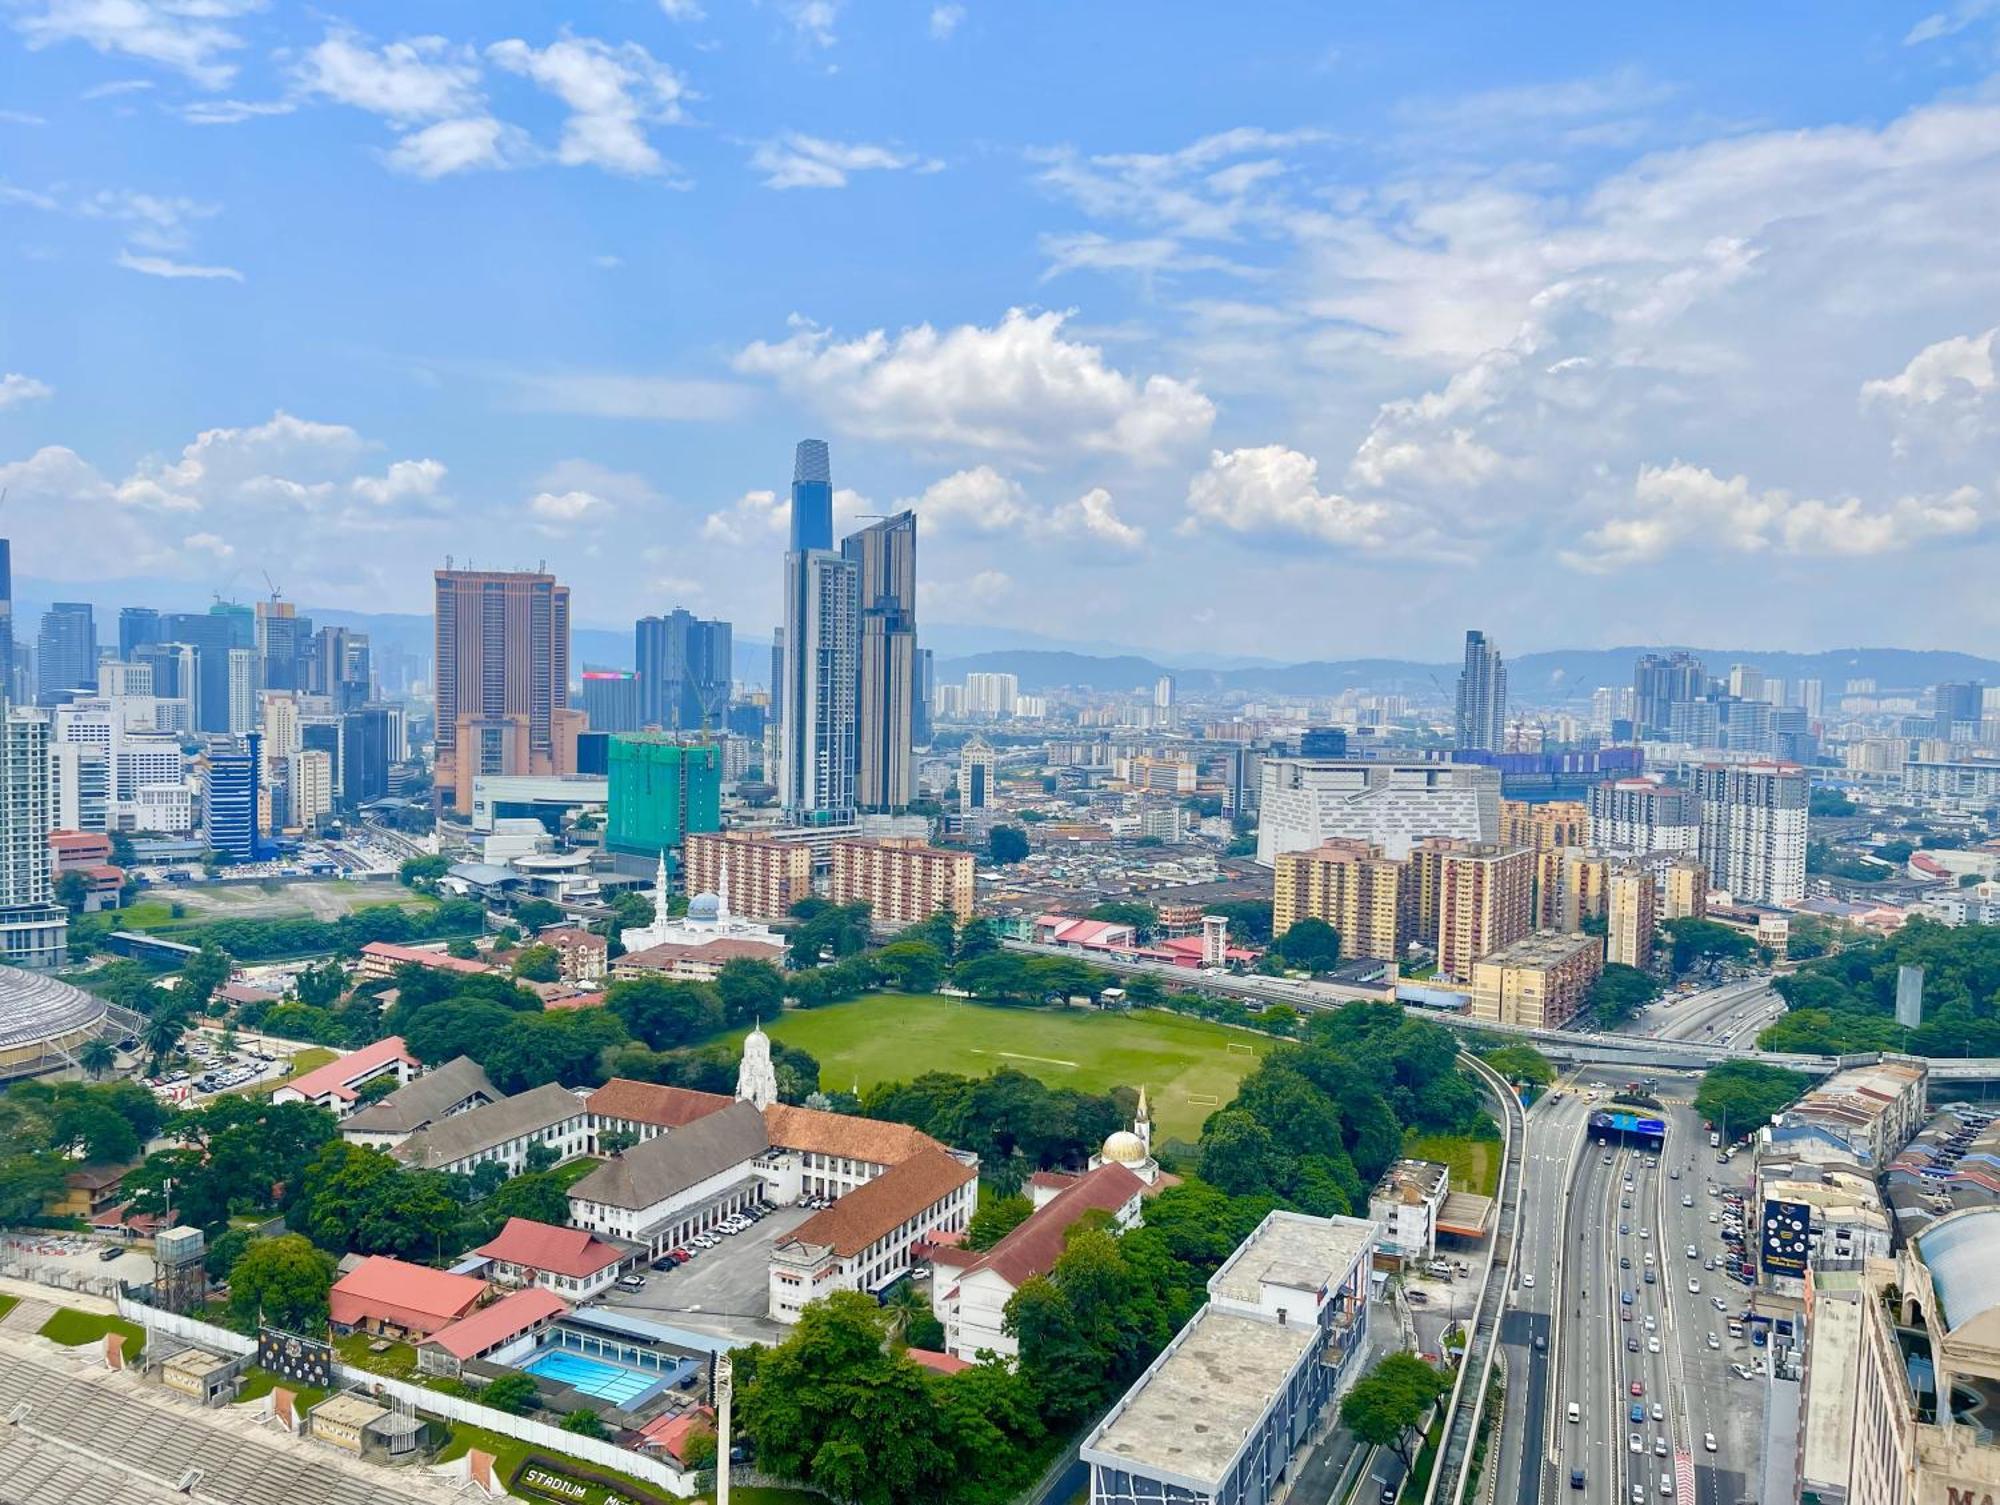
{"points": [[1553, 823], [905, 881], [1370, 899], [1631, 914], [766, 877], [1484, 897], [502, 679]]}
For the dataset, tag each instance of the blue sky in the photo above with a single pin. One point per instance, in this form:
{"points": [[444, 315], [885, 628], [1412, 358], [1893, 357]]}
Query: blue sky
{"points": [[1297, 330]]}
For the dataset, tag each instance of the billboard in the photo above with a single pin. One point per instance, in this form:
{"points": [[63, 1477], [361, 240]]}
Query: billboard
{"points": [[303, 1361], [1627, 1121], [1786, 1239]]}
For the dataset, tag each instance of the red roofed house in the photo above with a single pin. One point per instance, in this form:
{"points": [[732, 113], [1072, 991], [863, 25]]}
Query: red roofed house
{"points": [[669, 1434], [581, 955], [398, 1300], [337, 1084], [971, 1303], [573, 1261], [512, 1319], [381, 959], [87, 854], [644, 1110], [1084, 935]]}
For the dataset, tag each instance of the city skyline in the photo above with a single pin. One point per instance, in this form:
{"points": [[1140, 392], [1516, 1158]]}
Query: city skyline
{"points": [[1298, 335]]}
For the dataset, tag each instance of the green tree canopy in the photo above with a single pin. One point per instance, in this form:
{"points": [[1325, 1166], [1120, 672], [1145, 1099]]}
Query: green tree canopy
{"points": [[1620, 992], [282, 1281], [1006, 845], [1744, 1094], [1388, 1403], [1311, 945]]}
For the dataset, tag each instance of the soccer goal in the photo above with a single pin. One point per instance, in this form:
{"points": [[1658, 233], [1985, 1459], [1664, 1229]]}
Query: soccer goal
{"points": [[1248, 1050], [1204, 1100]]}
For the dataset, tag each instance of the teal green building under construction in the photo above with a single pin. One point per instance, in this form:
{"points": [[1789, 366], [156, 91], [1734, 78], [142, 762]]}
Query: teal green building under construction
{"points": [[661, 789]]}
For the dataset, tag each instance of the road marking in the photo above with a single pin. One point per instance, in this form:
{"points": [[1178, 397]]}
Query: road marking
{"points": [[1012, 1055]]}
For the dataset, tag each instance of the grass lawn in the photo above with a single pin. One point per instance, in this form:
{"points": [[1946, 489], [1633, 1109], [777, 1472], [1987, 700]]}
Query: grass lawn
{"points": [[1475, 1163], [8, 1303], [508, 1454], [258, 1383], [398, 1360], [73, 1329], [1187, 1066]]}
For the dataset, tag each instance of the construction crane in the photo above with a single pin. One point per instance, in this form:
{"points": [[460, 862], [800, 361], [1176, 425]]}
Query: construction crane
{"points": [[276, 592]]}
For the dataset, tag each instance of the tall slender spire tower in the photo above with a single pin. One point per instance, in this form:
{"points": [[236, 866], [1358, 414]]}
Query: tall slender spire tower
{"points": [[818, 684]]}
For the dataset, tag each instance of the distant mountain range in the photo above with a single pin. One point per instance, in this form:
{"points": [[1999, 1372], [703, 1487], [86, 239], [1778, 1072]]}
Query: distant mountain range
{"points": [[1045, 663]]}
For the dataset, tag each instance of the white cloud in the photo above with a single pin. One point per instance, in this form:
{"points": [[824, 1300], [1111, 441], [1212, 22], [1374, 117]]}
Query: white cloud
{"points": [[158, 222], [620, 488], [254, 487], [1019, 386], [21, 117], [755, 516], [188, 36], [1949, 23], [162, 266], [234, 111], [1217, 187], [1273, 492], [613, 93], [945, 20], [477, 142], [982, 500], [16, 388], [813, 20], [1676, 506], [1948, 370], [682, 10], [612, 394], [568, 507], [418, 79], [795, 160], [116, 87]]}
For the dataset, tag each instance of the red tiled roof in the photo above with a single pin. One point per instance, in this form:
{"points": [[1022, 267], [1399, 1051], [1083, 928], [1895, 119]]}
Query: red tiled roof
{"points": [[651, 1103], [543, 1246], [1032, 1246], [508, 1317], [443, 961], [412, 1296], [943, 1363], [872, 1209], [575, 1001], [335, 1075], [572, 935], [871, 1139], [670, 1433], [723, 950], [79, 841]]}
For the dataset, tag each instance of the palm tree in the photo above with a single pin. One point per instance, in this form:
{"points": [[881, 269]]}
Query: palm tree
{"points": [[162, 1035], [97, 1057]]}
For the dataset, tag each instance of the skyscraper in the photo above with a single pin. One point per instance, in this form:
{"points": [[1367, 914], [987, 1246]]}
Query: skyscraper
{"points": [[138, 626], [1958, 705], [65, 652], [611, 700], [283, 637], [6, 620], [34, 929], [1482, 696], [884, 556], [975, 774], [211, 634], [502, 654], [920, 730], [1753, 829], [816, 694], [230, 787], [684, 666], [1658, 684]]}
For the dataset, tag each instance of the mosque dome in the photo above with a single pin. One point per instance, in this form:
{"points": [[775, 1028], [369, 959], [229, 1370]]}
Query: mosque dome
{"points": [[1124, 1148], [704, 907]]}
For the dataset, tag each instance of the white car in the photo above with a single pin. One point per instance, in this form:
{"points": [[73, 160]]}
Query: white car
{"points": [[1718, 1303], [1645, 1233], [1659, 1447], [1652, 1345], [1713, 1341], [1528, 1280], [1693, 1253], [1694, 1287], [1708, 1441], [1652, 1323], [1635, 1442]]}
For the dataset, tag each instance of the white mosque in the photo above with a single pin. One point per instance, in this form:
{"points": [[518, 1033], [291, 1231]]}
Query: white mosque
{"points": [[1133, 1147], [707, 919]]}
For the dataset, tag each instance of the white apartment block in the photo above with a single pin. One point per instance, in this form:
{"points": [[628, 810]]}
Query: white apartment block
{"points": [[1753, 829], [1306, 802], [868, 1240]]}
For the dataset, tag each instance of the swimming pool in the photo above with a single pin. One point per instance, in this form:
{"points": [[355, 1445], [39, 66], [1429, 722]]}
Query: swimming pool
{"points": [[591, 1376]]}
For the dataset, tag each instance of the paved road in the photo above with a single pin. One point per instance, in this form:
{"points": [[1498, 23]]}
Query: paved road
{"points": [[1623, 1214], [1733, 1012]]}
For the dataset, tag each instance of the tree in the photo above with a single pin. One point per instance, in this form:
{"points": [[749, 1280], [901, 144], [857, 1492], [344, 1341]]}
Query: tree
{"points": [[665, 1012], [1388, 1403], [375, 1089], [911, 966], [534, 914], [1141, 917], [750, 990], [1706, 943], [320, 985], [1249, 920], [1829, 802], [538, 964], [1745, 1094], [207, 970], [282, 1281], [162, 1035], [1521, 1063], [1310, 944], [1620, 992], [423, 872], [512, 1392], [97, 1057], [72, 891], [996, 1218], [584, 1424], [97, 1131], [1006, 845], [1238, 1154], [224, 1250]]}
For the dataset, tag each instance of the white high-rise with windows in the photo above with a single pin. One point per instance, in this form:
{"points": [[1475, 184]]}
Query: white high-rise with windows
{"points": [[34, 930], [1753, 829], [1482, 696], [992, 695]]}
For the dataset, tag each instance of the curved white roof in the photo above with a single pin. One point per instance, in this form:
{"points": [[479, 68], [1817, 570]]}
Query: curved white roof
{"points": [[1962, 1252], [36, 1007]]}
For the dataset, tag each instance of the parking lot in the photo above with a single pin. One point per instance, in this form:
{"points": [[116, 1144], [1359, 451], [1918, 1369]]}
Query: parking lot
{"points": [[724, 1291]]}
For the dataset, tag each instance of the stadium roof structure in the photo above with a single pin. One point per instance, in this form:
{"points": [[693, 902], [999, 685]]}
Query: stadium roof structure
{"points": [[42, 1020]]}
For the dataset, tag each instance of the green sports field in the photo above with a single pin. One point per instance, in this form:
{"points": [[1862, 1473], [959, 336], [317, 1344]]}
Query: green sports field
{"points": [[1187, 1066]]}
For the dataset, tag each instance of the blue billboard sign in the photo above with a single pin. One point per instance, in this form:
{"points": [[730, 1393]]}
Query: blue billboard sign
{"points": [[1625, 1121]]}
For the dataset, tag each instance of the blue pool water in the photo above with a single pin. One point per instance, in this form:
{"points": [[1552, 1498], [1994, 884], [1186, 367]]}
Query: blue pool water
{"points": [[591, 1376]]}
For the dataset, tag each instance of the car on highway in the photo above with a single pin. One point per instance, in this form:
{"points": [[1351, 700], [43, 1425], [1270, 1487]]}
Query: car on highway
{"points": [[1624, 1228], [1713, 1341], [1659, 1447], [1659, 1412], [1693, 1252], [1638, 1388], [1624, 1261], [1625, 1298], [1718, 1303], [1635, 1442], [1650, 1278], [1528, 1280], [1708, 1264], [1694, 1286], [1652, 1345], [1625, 1204], [1708, 1441], [1686, 1200], [1645, 1233], [1576, 1478], [1631, 1345]]}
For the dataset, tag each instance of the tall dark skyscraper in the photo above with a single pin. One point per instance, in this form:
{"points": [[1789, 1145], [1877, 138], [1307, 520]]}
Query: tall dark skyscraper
{"points": [[815, 695], [65, 652], [812, 497], [211, 635], [502, 651], [884, 556], [920, 729], [283, 638], [684, 670], [1958, 705], [137, 626], [1659, 684], [1482, 696]]}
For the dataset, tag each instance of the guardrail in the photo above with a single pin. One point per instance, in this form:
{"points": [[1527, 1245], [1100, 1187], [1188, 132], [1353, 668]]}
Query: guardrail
{"points": [[1482, 1340]]}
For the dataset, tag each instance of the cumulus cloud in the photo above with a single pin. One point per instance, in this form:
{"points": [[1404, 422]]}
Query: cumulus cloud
{"points": [[795, 160], [1674, 506], [812, 20], [421, 78], [478, 142], [16, 388], [945, 20], [1273, 492], [569, 507], [982, 500], [754, 516], [254, 485], [613, 94], [192, 37], [1021, 386]]}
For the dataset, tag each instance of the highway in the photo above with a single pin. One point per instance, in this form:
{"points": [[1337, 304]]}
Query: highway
{"points": [[1725, 1015], [1613, 1329]]}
